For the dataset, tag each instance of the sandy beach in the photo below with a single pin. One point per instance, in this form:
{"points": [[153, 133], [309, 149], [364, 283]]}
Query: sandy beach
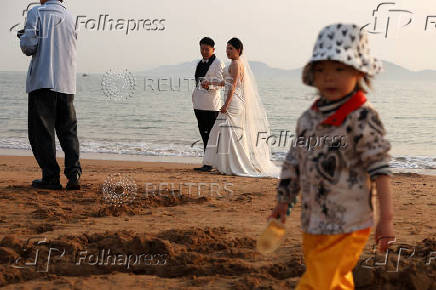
{"points": [[193, 230]]}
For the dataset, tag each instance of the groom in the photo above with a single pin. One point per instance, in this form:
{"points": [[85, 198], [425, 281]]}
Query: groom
{"points": [[207, 102]]}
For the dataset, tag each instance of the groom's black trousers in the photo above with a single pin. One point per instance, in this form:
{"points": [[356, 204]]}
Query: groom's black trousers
{"points": [[49, 111], [206, 120]]}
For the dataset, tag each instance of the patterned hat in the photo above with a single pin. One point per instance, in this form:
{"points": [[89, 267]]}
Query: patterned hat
{"points": [[345, 43]]}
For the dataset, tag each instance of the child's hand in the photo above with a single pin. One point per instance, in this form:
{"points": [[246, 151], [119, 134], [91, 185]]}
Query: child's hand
{"points": [[384, 234], [280, 211]]}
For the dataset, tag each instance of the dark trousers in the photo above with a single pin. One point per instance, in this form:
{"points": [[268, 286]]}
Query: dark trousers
{"points": [[49, 112], [206, 120]]}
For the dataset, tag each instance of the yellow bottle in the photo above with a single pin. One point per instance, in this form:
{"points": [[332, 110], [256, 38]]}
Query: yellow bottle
{"points": [[271, 238]]}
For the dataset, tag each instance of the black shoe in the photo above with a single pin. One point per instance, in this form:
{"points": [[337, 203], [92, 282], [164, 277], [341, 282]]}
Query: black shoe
{"points": [[205, 168], [47, 184], [73, 183]]}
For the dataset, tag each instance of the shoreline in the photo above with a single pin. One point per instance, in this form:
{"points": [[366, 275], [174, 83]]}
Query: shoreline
{"points": [[168, 159], [113, 157]]}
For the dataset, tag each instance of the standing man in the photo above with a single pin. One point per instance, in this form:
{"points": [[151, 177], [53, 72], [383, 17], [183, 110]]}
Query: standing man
{"points": [[50, 38], [207, 102]]}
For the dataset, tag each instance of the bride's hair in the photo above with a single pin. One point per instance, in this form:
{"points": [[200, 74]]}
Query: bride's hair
{"points": [[236, 43]]}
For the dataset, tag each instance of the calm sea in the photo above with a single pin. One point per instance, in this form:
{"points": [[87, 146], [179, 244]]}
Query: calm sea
{"points": [[159, 120]]}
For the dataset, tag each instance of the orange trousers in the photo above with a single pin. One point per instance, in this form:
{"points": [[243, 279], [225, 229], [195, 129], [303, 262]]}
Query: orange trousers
{"points": [[330, 260]]}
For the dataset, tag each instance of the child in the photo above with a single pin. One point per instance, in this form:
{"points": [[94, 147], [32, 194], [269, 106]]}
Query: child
{"points": [[338, 183]]}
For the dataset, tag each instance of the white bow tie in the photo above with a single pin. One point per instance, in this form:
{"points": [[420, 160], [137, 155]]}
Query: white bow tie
{"points": [[204, 60]]}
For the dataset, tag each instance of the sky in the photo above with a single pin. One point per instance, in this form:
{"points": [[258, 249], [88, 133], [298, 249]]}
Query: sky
{"points": [[280, 33]]}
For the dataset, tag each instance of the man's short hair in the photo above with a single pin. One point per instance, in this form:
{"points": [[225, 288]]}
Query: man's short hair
{"points": [[208, 41]]}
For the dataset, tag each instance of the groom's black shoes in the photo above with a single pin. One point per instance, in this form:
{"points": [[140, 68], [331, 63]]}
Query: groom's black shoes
{"points": [[47, 183], [205, 168]]}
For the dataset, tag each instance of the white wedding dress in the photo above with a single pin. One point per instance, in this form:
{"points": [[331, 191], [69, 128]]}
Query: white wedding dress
{"points": [[233, 147]]}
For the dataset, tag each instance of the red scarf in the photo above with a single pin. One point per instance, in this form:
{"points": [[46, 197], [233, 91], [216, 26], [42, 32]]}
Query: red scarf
{"points": [[354, 103]]}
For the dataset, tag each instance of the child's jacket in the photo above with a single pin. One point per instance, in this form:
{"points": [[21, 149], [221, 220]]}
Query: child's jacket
{"points": [[332, 164]]}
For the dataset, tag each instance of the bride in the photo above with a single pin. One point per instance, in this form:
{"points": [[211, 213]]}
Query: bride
{"points": [[234, 147]]}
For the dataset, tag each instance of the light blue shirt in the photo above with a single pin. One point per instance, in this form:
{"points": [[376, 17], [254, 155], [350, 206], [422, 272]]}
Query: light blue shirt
{"points": [[50, 38]]}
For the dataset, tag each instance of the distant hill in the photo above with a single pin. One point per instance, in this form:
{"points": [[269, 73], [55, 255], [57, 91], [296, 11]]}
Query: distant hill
{"points": [[395, 72], [260, 69], [263, 71]]}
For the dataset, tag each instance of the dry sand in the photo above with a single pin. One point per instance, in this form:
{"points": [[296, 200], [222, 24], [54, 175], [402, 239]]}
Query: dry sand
{"points": [[187, 240]]}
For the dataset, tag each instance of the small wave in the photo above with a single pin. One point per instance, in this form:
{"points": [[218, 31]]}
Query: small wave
{"points": [[151, 149], [414, 162]]}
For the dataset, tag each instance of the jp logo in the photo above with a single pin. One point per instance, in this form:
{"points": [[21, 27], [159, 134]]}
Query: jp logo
{"points": [[390, 261], [383, 18], [45, 16], [118, 85], [24, 13], [33, 258]]}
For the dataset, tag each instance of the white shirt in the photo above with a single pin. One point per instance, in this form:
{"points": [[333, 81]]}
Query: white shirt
{"points": [[209, 100], [50, 38]]}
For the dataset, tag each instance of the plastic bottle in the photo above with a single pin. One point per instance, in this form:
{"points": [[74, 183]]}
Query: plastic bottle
{"points": [[272, 237]]}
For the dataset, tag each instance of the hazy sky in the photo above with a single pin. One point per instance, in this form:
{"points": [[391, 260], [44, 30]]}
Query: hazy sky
{"points": [[280, 33]]}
